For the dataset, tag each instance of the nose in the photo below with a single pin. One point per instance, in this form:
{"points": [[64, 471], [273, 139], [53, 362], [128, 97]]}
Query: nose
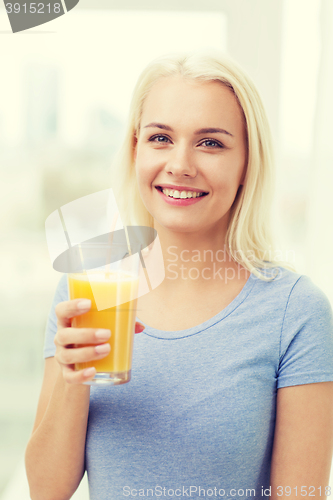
{"points": [[181, 162]]}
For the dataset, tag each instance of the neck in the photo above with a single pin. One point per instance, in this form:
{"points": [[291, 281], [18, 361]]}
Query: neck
{"points": [[197, 259]]}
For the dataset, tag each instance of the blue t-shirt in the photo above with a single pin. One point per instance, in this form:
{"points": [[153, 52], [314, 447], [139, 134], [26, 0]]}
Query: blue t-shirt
{"points": [[198, 417]]}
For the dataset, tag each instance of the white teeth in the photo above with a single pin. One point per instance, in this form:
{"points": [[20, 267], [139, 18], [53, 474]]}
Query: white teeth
{"points": [[181, 194]]}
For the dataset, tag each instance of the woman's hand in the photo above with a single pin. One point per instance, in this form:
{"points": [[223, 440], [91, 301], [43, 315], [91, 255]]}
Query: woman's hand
{"points": [[66, 337]]}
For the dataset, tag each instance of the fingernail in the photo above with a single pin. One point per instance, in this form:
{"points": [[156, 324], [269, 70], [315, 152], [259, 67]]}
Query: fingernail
{"points": [[89, 371], [103, 334], [139, 328], [84, 304], [101, 349]]}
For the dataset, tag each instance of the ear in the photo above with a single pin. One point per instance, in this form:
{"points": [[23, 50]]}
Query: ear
{"points": [[241, 183], [135, 144]]}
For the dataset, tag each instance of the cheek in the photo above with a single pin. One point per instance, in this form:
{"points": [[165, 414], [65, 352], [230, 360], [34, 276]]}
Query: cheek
{"points": [[145, 169], [144, 177], [233, 171], [224, 176], [142, 174], [141, 183]]}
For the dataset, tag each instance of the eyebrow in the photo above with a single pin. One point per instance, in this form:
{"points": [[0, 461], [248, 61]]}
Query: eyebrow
{"points": [[209, 130]]}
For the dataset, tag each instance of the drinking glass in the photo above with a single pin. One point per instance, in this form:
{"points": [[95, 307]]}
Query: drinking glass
{"points": [[112, 288]]}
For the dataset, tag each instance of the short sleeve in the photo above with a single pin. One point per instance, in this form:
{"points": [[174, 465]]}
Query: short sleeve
{"points": [[306, 348], [61, 294]]}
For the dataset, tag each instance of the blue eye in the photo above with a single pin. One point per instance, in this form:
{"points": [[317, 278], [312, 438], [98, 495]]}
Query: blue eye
{"points": [[163, 139], [152, 139], [212, 143]]}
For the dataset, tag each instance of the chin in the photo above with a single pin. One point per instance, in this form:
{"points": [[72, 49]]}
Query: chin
{"points": [[177, 227]]}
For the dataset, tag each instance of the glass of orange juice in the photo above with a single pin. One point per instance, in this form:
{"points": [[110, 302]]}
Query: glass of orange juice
{"points": [[112, 288]]}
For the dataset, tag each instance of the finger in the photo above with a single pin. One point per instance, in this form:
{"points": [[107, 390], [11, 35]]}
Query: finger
{"points": [[68, 336], [70, 356], [139, 327], [69, 309], [78, 376]]}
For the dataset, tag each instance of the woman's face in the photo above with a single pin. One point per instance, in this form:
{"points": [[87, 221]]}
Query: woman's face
{"points": [[192, 140]]}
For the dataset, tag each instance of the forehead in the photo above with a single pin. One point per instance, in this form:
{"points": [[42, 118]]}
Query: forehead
{"points": [[176, 99]]}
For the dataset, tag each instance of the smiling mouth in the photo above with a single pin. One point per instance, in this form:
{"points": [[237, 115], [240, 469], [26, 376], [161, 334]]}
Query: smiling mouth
{"points": [[174, 193]]}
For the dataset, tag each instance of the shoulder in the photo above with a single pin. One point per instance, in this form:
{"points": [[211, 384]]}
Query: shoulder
{"points": [[303, 298], [306, 336], [294, 288], [307, 324], [306, 300], [293, 300]]}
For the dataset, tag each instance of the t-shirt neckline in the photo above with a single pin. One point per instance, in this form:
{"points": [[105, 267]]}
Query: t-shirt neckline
{"points": [[179, 334]]}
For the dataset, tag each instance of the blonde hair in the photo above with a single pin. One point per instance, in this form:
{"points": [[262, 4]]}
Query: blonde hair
{"points": [[248, 239]]}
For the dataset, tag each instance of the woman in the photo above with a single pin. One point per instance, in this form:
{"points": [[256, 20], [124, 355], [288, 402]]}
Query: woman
{"points": [[232, 384]]}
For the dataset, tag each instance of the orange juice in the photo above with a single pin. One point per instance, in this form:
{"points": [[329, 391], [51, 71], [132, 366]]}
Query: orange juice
{"points": [[120, 319]]}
